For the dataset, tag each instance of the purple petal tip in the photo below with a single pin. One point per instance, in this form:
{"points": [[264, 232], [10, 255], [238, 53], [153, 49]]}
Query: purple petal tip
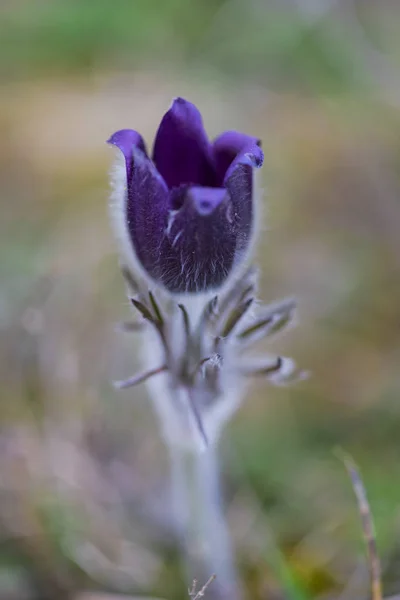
{"points": [[126, 140]]}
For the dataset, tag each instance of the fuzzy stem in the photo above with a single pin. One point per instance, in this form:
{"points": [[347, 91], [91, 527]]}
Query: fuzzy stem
{"points": [[182, 402], [199, 513]]}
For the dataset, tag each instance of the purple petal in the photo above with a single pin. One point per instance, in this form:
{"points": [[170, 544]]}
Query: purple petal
{"points": [[146, 212], [240, 187], [236, 155], [190, 221], [232, 148], [126, 140], [199, 247], [182, 152]]}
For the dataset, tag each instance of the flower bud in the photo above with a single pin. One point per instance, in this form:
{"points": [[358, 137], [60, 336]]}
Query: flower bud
{"points": [[186, 215]]}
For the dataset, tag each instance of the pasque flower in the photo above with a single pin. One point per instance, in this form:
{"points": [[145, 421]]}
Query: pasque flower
{"points": [[186, 220], [187, 213]]}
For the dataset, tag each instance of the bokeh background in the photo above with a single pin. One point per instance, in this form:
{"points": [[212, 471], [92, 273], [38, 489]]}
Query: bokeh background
{"points": [[83, 471]]}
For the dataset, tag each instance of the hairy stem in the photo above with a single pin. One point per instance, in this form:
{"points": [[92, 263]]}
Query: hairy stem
{"points": [[201, 520]]}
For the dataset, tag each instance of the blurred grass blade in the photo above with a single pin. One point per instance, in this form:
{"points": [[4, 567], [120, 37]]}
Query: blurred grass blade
{"points": [[374, 564]]}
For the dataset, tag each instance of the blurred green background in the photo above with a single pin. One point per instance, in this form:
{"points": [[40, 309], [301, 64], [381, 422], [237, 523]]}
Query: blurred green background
{"points": [[83, 472]]}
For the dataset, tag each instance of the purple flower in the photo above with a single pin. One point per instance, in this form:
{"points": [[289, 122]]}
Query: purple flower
{"points": [[188, 212]]}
